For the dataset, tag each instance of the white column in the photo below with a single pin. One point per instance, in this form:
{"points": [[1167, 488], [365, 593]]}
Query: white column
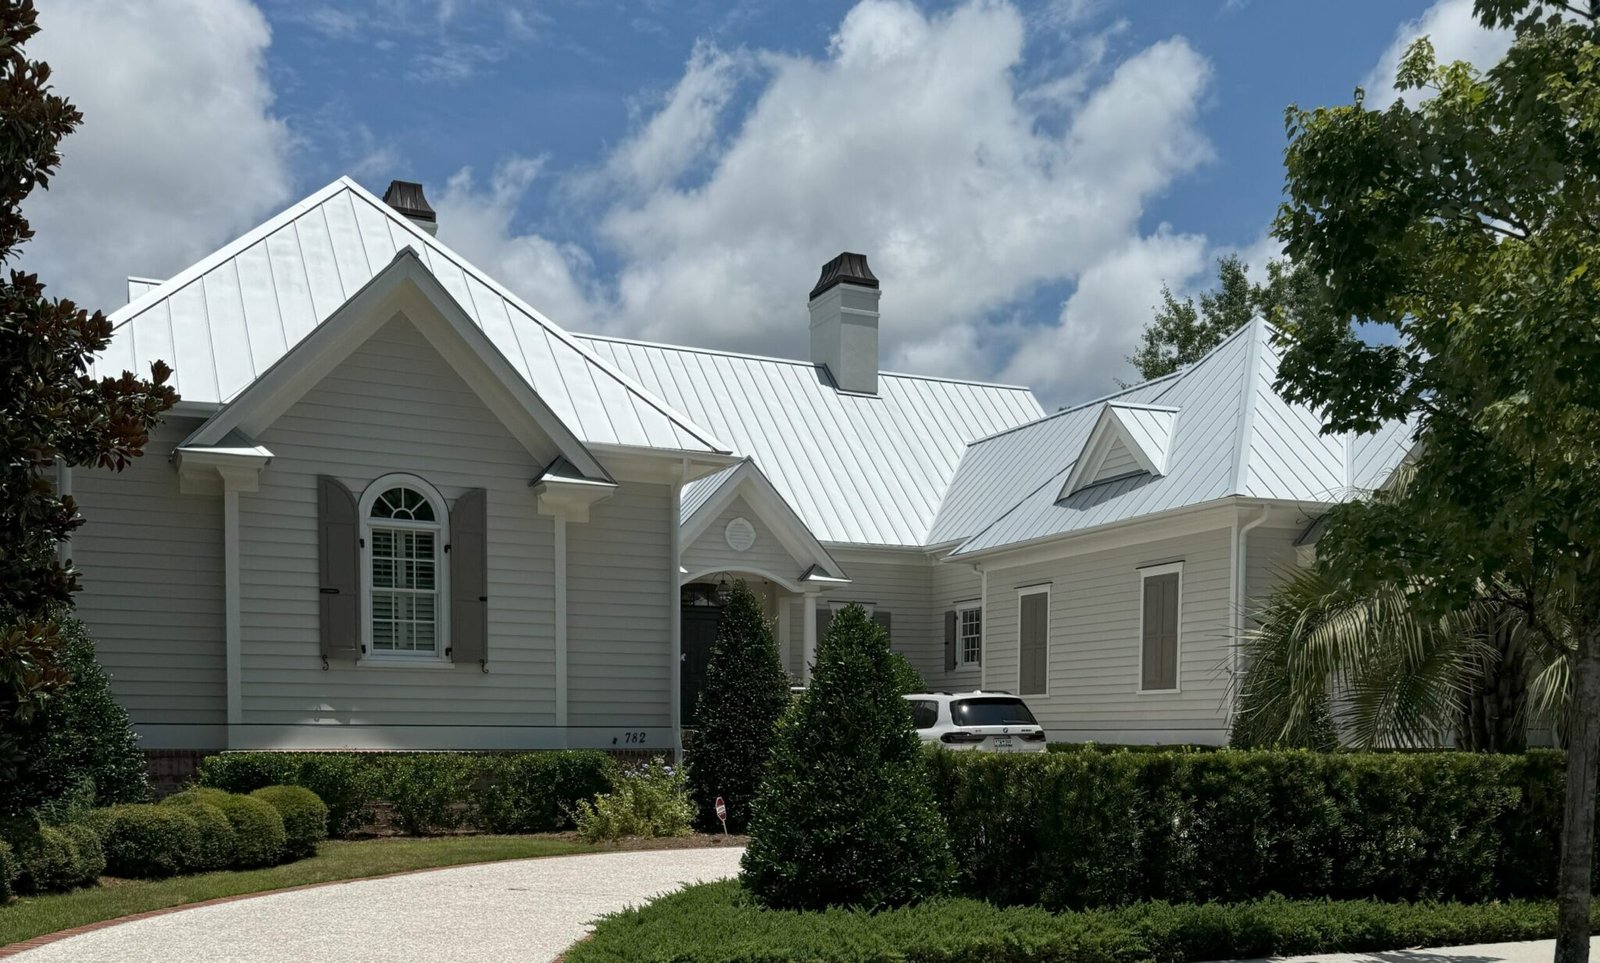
{"points": [[785, 612], [561, 625], [983, 630], [808, 645], [675, 617], [233, 625]]}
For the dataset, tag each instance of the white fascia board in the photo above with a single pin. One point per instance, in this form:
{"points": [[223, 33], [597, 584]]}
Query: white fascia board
{"points": [[405, 286], [771, 507]]}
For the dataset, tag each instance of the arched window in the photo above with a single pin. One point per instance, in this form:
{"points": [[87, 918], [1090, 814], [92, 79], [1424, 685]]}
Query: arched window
{"points": [[403, 534]]}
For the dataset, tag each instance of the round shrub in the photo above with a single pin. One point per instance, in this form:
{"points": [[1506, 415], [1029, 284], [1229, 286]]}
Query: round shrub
{"points": [[52, 859], [305, 818], [145, 841], [196, 794], [218, 843], [845, 815], [257, 828], [347, 782]]}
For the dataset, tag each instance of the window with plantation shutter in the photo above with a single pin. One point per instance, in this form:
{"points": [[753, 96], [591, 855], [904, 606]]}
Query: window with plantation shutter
{"points": [[1160, 606], [406, 581]]}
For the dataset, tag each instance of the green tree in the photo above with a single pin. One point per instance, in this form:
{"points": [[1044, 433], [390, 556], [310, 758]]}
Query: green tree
{"points": [[50, 409], [1469, 223], [746, 692], [846, 814]]}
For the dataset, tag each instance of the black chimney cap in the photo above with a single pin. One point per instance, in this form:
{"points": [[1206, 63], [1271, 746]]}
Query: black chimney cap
{"points": [[847, 268], [406, 197]]}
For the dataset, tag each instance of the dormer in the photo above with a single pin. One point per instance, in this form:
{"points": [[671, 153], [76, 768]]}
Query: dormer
{"points": [[1126, 440]]}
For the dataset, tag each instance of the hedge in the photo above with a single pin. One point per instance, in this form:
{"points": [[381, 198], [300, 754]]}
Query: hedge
{"points": [[1084, 829], [305, 818], [259, 837], [218, 844], [145, 841], [720, 923], [52, 859], [8, 870], [429, 791]]}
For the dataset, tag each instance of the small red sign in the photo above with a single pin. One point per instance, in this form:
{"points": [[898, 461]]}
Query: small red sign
{"points": [[722, 809]]}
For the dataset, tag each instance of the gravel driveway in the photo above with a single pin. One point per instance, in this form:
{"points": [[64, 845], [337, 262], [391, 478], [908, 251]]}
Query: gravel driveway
{"points": [[523, 910]]}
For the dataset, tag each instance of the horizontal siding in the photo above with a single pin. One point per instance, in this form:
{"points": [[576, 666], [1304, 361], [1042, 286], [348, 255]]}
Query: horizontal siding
{"points": [[711, 551], [619, 588], [901, 583], [1094, 641], [1270, 555], [952, 583], [394, 406], [151, 559]]}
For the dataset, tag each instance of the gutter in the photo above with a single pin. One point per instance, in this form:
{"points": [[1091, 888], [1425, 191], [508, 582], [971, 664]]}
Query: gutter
{"points": [[1240, 543]]}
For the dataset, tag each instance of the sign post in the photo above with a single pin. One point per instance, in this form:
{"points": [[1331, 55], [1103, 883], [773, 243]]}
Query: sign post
{"points": [[722, 814]]}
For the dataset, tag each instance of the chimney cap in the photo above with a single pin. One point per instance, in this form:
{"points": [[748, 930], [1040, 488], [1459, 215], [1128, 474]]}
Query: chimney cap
{"points": [[847, 268], [406, 197]]}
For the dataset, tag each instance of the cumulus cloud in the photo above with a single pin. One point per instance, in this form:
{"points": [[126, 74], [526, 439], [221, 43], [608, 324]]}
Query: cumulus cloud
{"points": [[912, 140], [179, 149], [1455, 34]]}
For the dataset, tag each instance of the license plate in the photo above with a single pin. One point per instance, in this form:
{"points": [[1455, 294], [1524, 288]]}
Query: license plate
{"points": [[1001, 742]]}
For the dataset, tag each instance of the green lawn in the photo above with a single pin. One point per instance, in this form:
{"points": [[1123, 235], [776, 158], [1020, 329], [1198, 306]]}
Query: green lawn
{"points": [[35, 915]]}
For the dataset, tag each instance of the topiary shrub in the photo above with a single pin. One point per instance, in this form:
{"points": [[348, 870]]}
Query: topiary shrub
{"points": [[218, 846], [537, 792], [845, 815], [746, 692], [142, 841], [305, 818], [79, 750], [348, 783], [53, 859], [651, 801], [258, 830]]}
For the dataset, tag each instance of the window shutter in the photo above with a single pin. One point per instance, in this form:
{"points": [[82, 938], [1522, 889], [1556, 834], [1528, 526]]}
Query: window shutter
{"points": [[824, 619], [338, 570], [950, 640], [1034, 644], [882, 618], [469, 578], [1160, 642]]}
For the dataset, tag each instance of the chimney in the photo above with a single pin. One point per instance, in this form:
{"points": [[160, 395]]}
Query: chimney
{"points": [[844, 323], [406, 197]]}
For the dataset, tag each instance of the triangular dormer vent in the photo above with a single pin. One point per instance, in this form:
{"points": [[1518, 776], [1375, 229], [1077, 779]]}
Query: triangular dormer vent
{"points": [[1127, 440]]}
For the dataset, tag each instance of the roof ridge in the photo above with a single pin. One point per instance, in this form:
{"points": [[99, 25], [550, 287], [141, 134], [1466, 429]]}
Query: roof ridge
{"points": [[1247, 405], [752, 356]]}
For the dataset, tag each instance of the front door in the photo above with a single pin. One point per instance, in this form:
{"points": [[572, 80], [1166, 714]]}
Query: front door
{"points": [[699, 634]]}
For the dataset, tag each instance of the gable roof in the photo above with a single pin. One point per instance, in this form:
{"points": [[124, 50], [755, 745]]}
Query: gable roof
{"points": [[1127, 439], [224, 321], [1232, 436], [442, 321], [747, 479], [857, 469]]}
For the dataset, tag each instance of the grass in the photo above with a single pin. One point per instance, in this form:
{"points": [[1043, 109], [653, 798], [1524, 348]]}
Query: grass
{"points": [[32, 916], [720, 923]]}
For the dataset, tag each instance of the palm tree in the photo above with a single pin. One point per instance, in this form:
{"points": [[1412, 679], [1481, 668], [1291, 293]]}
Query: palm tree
{"points": [[1324, 654]]}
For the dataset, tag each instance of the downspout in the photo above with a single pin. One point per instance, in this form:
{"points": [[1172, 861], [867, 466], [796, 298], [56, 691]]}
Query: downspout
{"points": [[674, 616], [1240, 552]]}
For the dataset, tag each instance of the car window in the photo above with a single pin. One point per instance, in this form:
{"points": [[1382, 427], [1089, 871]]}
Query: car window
{"points": [[924, 714], [991, 711]]}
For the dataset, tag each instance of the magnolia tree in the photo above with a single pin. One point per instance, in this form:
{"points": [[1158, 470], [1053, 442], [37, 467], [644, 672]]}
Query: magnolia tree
{"points": [[1467, 220], [51, 410]]}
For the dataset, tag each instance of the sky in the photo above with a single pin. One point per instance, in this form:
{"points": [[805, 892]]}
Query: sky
{"points": [[1023, 177]]}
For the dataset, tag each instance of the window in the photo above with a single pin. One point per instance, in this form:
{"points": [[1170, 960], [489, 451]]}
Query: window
{"points": [[1161, 587], [991, 711], [1033, 638], [969, 631], [403, 537], [924, 714]]}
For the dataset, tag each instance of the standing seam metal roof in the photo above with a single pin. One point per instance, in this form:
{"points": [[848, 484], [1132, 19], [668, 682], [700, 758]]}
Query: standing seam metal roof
{"points": [[224, 321]]}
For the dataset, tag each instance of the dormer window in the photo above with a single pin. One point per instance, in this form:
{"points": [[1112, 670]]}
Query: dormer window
{"points": [[1127, 440]]}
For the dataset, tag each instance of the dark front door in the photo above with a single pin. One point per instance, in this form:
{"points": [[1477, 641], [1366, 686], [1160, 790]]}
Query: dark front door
{"points": [[698, 635]]}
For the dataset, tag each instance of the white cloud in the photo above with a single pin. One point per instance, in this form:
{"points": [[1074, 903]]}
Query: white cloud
{"points": [[1455, 34], [683, 129], [178, 151]]}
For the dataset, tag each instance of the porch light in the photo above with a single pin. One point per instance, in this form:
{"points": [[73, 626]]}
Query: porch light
{"points": [[724, 591]]}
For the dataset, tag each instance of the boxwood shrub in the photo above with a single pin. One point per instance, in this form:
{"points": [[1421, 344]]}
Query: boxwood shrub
{"points": [[305, 818], [1085, 829], [146, 841], [259, 836], [218, 844], [51, 859], [426, 791]]}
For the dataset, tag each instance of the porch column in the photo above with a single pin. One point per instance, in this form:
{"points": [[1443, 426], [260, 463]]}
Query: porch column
{"points": [[808, 645]]}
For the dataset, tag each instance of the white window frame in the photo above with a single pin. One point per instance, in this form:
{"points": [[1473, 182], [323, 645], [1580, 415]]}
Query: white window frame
{"points": [[1049, 604], [1151, 571], [370, 654], [962, 608]]}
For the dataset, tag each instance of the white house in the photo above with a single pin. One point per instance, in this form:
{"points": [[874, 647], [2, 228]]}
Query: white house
{"points": [[397, 507]]}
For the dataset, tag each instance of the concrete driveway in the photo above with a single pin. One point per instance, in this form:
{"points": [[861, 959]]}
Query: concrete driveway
{"points": [[523, 910]]}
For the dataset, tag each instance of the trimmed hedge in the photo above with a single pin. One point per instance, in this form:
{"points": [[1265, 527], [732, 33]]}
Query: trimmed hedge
{"points": [[259, 837], [720, 923], [146, 841], [52, 859], [218, 844], [305, 818], [1084, 829], [429, 791]]}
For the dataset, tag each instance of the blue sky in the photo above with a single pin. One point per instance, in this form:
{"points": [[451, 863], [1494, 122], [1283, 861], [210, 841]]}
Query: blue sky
{"points": [[1023, 176]]}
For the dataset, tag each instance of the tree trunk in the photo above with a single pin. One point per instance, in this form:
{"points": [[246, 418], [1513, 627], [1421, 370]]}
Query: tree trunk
{"points": [[1495, 708], [1577, 831]]}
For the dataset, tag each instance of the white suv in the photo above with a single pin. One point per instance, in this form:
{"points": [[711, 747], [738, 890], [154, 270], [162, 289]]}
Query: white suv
{"points": [[986, 721]]}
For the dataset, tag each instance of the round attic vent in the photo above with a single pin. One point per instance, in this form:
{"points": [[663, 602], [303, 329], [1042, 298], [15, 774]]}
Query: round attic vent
{"points": [[741, 534]]}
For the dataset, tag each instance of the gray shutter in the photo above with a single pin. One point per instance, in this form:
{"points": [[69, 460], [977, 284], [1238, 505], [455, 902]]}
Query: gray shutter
{"points": [[882, 618], [1034, 644], [469, 578], [950, 640], [338, 570], [1160, 642], [824, 619]]}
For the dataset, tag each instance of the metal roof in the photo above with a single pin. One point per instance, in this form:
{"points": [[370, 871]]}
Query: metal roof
{"points": [[858, 469], [224, 321], [1233, 435]]}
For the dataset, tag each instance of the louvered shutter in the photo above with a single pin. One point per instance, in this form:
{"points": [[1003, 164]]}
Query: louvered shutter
{"points": [[1033, 650], [469, 578], [1160, 642], [951, 625], [338, 570], [882, 618]]}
